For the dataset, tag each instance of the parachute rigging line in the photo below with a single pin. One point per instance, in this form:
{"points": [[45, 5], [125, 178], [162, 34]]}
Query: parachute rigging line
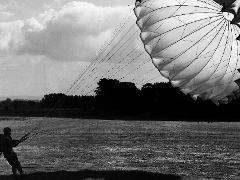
{"points": [[116, 32], [110, 69], [91, 84], [115, 65], [83, 79], [150, 74], [96, 59], [111, 57], [89, 72], [138, 67], [99, 61], [119, 69], [104, 48]]}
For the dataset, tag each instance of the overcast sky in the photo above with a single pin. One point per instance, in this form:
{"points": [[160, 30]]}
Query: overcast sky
{"points": [[46, 44]]}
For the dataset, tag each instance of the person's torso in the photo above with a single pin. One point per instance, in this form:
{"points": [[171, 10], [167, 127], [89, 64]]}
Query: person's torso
{"points": [[8, 150]]}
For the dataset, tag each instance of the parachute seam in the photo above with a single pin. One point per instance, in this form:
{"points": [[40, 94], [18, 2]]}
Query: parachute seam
{"points": [[172, 15], [201, 51], [179, 15], [211, 78], [183, 38], [203, 68], [233, 72], [179, 6], [218, 95], [166, 33], [170, 45], [179, 20]]}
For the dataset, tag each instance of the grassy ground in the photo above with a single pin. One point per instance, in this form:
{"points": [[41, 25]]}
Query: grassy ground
{"points": [[107, 150]]}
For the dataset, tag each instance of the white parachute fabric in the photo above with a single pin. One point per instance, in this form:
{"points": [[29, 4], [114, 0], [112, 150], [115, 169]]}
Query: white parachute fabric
{"points": [[194, 44]]}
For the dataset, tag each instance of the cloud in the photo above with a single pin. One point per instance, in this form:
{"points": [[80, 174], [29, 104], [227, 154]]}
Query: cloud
{"points": [[10, 36], [75, 32], [6, 15], [46, 50]]}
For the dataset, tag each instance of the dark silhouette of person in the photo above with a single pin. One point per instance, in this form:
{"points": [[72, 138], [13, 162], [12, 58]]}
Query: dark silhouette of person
{"points": [[10, 155]]}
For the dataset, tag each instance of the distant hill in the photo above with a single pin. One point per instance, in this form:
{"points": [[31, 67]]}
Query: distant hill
{"points": [[37, 98]]}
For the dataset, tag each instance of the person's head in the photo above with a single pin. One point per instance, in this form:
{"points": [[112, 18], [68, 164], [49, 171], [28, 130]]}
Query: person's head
{"points": [[7, 131]]}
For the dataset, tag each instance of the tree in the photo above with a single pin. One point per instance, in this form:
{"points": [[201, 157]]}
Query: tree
{"points": [[113, 94], [7, 103]]}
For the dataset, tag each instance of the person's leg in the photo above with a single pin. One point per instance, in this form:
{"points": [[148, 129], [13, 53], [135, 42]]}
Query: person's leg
{"points": [[14, 171], [13, 161], [19, 168], [18, 165]]}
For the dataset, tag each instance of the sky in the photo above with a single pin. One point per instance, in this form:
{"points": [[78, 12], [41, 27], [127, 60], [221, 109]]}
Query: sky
{"points": [[46, 44]]}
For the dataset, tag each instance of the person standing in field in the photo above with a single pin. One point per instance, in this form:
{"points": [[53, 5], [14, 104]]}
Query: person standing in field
{"points": [[10, 155]]}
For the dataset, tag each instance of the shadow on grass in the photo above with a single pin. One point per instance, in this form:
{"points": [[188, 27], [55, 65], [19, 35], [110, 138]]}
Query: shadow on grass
{"points": [[96, 175]]}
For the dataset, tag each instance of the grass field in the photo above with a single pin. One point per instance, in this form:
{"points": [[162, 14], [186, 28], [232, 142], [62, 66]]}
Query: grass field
{"points": [[108, 150]]}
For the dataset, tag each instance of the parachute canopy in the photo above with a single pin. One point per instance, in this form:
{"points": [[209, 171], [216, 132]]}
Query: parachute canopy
{"points": [[194, 43]]}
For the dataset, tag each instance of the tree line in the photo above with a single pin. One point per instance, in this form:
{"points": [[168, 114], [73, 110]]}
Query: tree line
{"points": [[152, 101], [115, 99], [19, 103]]}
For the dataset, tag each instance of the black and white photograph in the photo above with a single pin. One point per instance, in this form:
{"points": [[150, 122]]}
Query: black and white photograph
{"points": [[119, 90]]}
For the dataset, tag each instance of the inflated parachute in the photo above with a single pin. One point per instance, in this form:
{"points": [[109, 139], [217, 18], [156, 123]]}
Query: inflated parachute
{"points": [[194, 43]]}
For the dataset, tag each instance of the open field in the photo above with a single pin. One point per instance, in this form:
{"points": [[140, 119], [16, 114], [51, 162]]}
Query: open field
{"points": [[107, 150]]}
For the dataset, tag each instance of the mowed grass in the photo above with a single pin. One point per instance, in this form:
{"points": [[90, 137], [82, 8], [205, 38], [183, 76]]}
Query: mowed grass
{"points": [[189, 149]]}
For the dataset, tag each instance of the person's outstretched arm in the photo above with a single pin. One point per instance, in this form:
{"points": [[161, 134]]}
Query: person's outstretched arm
{"points": [[14, 143]]}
